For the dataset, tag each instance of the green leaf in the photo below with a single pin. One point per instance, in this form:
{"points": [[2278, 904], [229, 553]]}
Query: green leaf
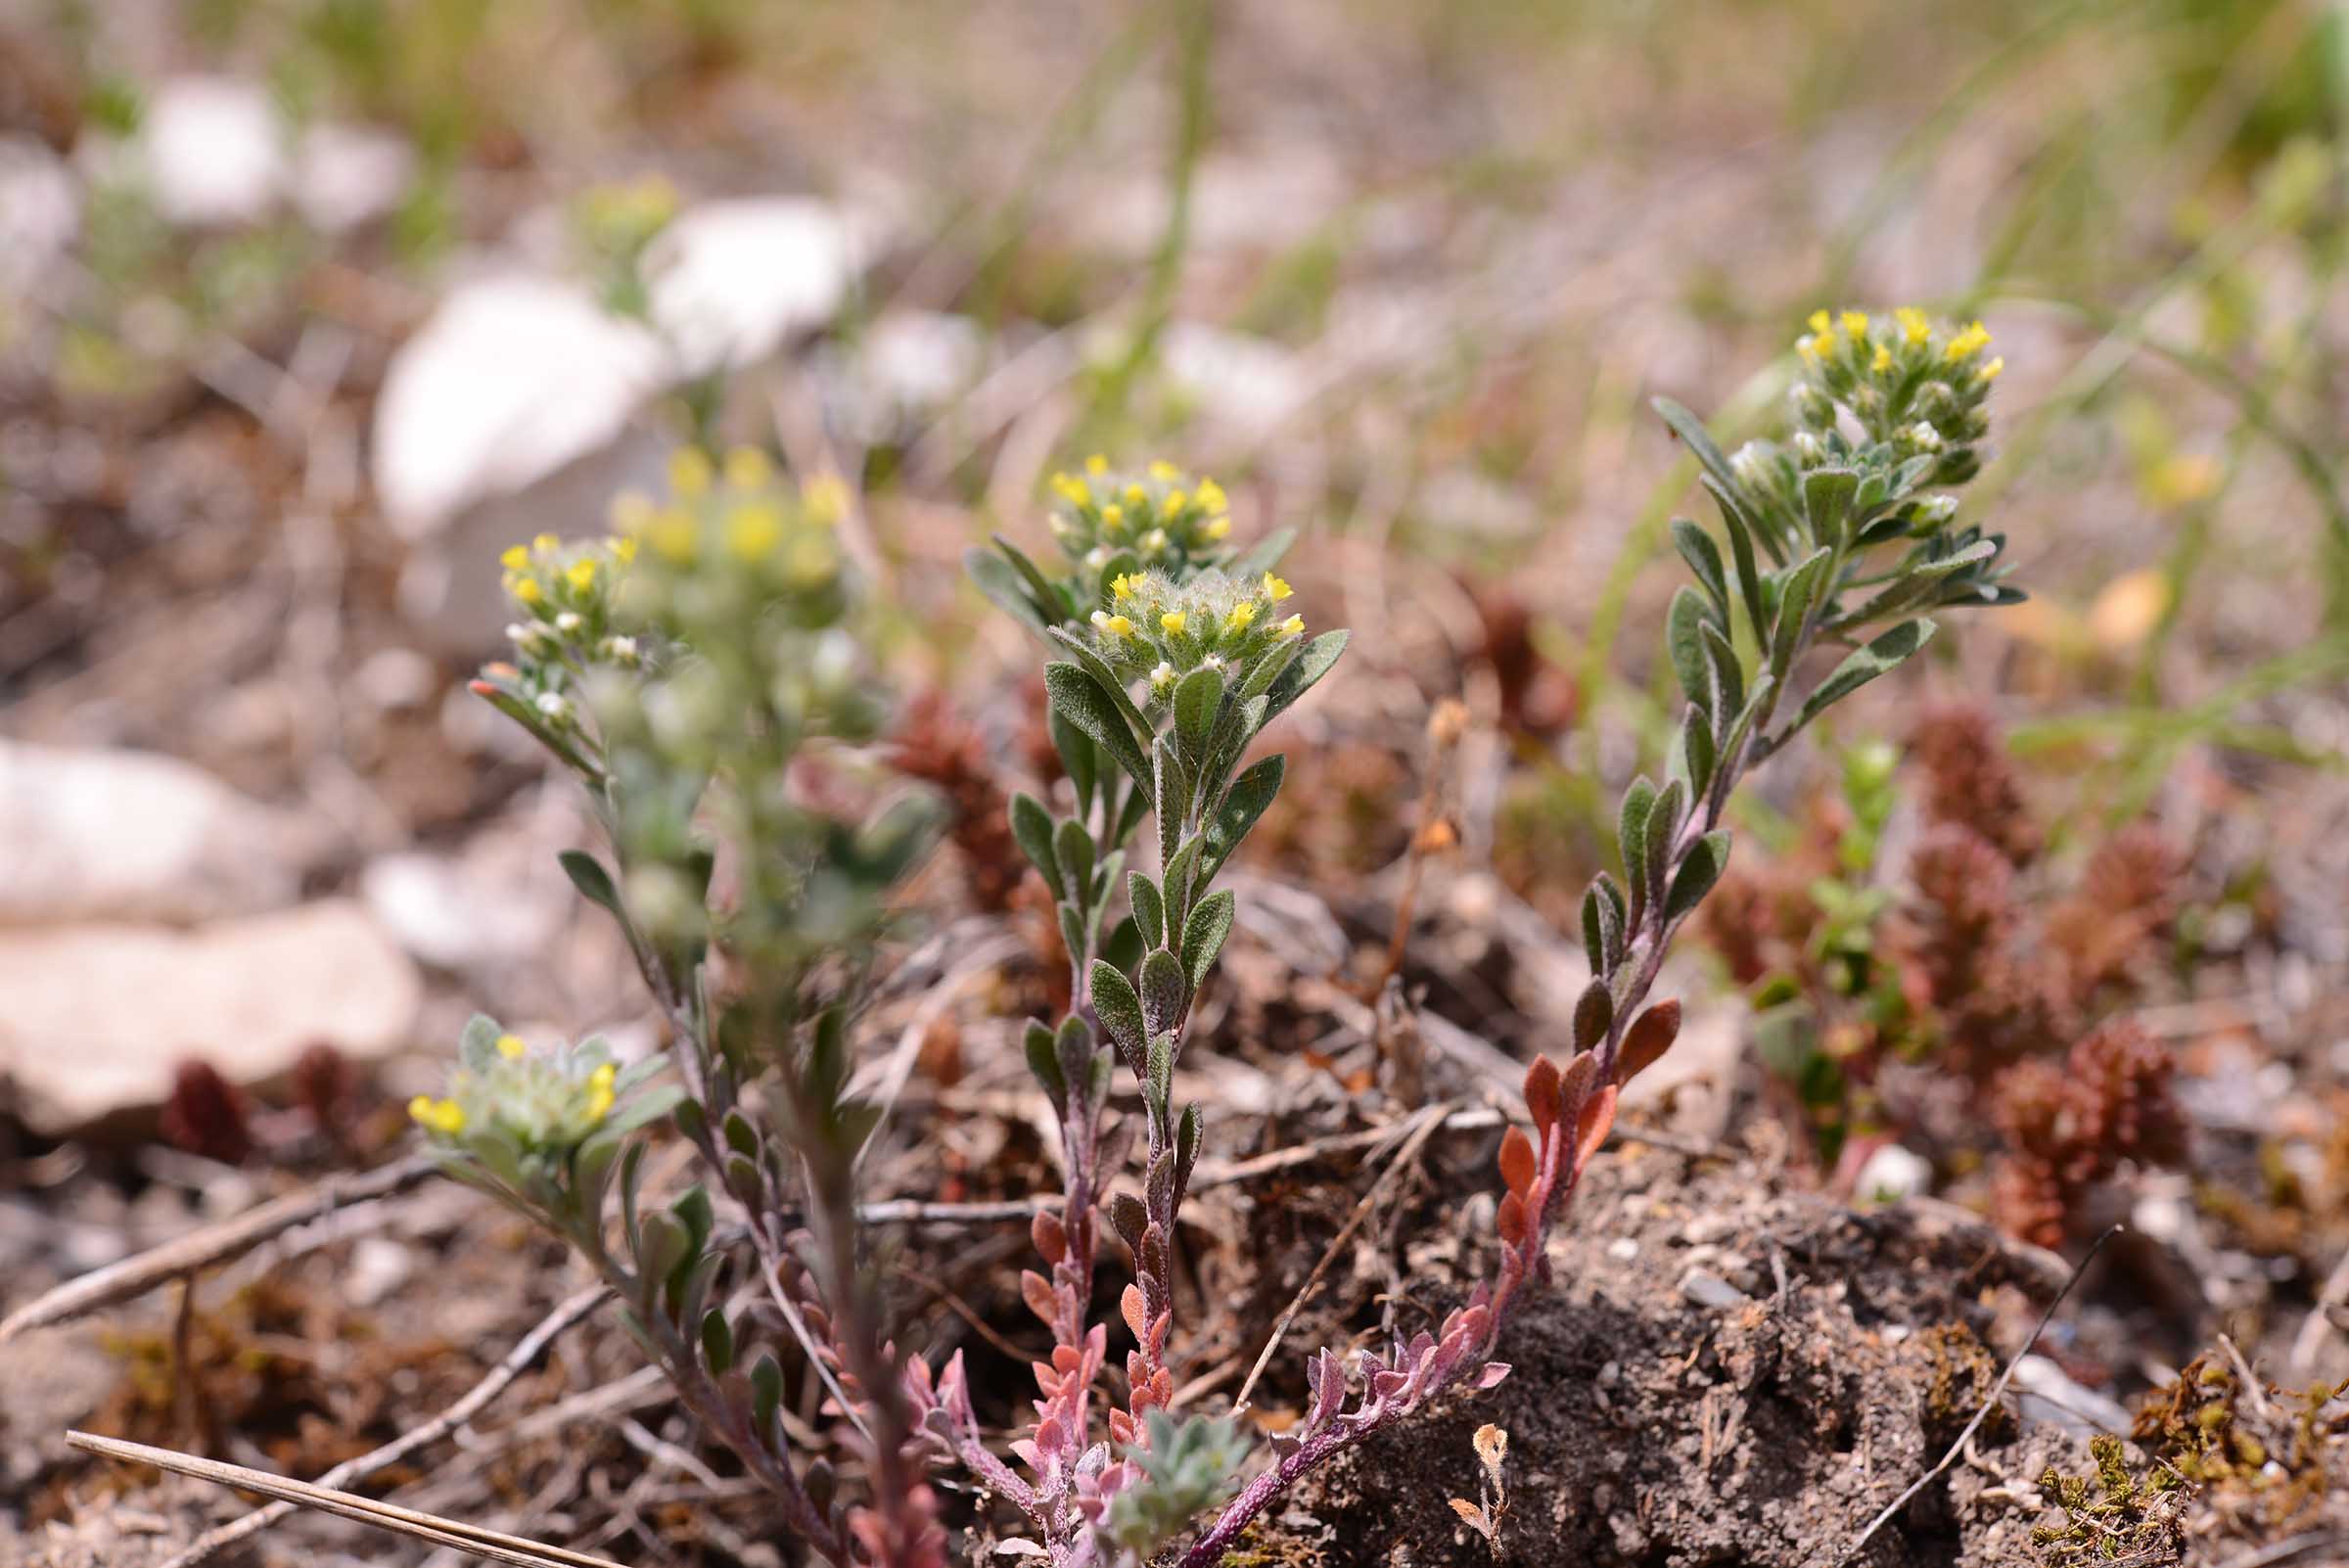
{"points": [[1165, 991], [1602, 930], [1631, 836], [1170, 796], [1861, 666], [1728, 677], [1316, 659], [1123, 946], [1032, 825], [1243, 803], [1801, 590], [1706, 859], [477, 1046], [1079, 696], [766, 1394], [1663, 830], [1263, 555], [1692, 752], [1691, 430], [1119, 1008], [1003, 585], [1203, 933], [1593, 1012], [1078, 755], [1049, 600], [1703, 556], [1195, 702], [1041, 1061], [1684, 640], [1149, 908], [587, 874], [1073, 848], [1088, 659], [717, 1341], [1827, 502]]}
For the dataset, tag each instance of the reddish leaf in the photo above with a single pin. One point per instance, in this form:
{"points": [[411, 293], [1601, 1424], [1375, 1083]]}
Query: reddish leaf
{"points": [[1574, 1087], [1132, 1308], [1051, 1238], [1591, 1127], [1036, 1292], [1511, 1220], [1517, 1161], [1647, 1040], [1542, 1092]]}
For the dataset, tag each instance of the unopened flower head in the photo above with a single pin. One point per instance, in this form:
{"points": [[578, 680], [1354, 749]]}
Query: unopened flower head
{"points": [[1156, 630], [539, 1100], [1160, 515], [1902, 383], [732, 530]]}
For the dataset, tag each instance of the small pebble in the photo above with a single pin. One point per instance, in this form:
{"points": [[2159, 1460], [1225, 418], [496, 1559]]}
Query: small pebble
{"points": [[1710, 1290], [1623, 1249]]}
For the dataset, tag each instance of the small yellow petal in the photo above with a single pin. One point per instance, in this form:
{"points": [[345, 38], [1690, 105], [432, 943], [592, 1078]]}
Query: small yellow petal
{"points": [[826, 499], [1855, 323], [581, 573], [753, 531], [1212, 496], [1163, 469], [1914, 325], [1136, 495], [1882, 361], [515, 560], [1996, 366], [1113, 517], [1277, 589], [1215, 528], [1241, 614], [623, 549], [1175, 502], [509, 1046], [604, 1076], [1819, 321], [1174, 621], [421, 1108], [1121, 586], [1096, 464], [747, 469], [546, 544], [1969, 343], [527, 590], [1292, 626], [689, 473]]}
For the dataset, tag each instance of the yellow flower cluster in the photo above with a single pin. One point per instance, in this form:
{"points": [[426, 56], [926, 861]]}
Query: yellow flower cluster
{"points": [[1852, 336], [1912, 385], [1156, 629], [549, 1100], [1160, 516], [737, 513]]}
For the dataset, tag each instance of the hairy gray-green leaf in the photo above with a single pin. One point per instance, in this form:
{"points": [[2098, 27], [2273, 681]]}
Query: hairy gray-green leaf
{"points": [[1149, 909], [1119, 1008], [1684, 640], [1196, 700], [1203, 935], [1861, 666], [1079, 697], [1032, 825], [1699, 870]]}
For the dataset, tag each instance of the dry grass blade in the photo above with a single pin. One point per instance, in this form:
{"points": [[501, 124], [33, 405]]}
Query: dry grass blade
{"points": [[134, 1277], [472, 1539], [531, 1345]]}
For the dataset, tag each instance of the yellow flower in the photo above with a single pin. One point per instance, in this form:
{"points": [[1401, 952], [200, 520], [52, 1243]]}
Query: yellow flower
{"points": [[1241, 614], [515, 560], [1122, 586], [1275, 589], [1916, 326], [1212, 496], [1174, 621], [1855, 322], [444, 1117], [1163, 469], [1072, 490], [826, 499], [1214, 528], [509, 1046], [600, 1094], [1096, 464], [747, 469], [1113, 517], [1115, 626], [1819, 321], [1136, 495], [1292, 626], [1991, 370], [581, 573], [546, 544], [1176, 501], [1823, 345], [673, 536], [525, 589], [753, 530], [1969, 343], [1883, 360], [689, 473], [623, 549]]}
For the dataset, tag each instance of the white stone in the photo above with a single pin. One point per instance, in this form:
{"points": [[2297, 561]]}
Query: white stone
{"points": [[513, 378], [211, 150], [1239, 379], [483, 909], [97, 1016], [731, 281], [2047, 1392], [347, 175], [40, 211], [119, 835], [1891, 1174]]}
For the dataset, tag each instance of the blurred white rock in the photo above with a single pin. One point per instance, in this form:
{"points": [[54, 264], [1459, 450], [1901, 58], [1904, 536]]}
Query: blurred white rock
{"points": [[2044, 1392], [40, 211], [1891, 1174], [348, 175], [119, 835], [511, 378], [498, 904], [98, 1015], [898, 373], [1240, 380], [732, 281], [211, 150]]}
